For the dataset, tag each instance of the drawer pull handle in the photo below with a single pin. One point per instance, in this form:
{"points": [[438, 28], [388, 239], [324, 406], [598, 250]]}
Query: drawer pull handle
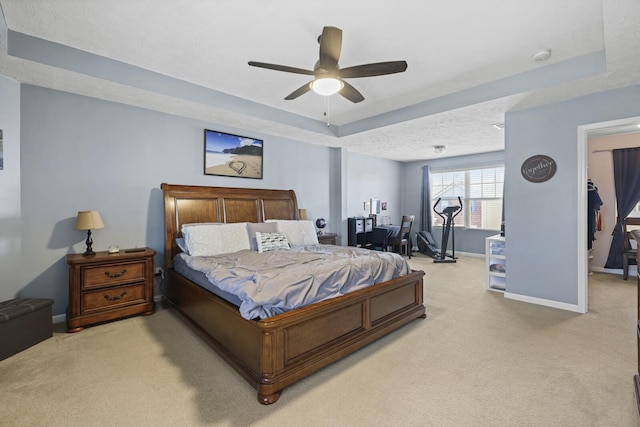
{"points": [[116, 298], [114, 275]]}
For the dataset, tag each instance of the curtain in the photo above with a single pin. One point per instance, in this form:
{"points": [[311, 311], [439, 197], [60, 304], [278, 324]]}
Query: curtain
{"points": [[425, 205], [502, 225], [626, 176]]}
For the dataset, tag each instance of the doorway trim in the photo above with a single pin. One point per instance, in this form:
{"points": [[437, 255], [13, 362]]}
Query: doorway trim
{"points": [[581, 221]]}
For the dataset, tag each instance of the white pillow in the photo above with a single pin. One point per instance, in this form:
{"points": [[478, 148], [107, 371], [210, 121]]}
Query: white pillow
{"points": [[271, 241], [216, 239], [298, 232], [197, 224]]}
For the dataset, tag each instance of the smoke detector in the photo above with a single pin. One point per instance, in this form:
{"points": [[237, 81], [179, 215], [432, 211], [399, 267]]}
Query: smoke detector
{"points": [[439, 149], [542, 55]]}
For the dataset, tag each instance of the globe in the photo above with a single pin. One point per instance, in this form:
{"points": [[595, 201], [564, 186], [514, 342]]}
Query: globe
{"points": [[321, 223]]}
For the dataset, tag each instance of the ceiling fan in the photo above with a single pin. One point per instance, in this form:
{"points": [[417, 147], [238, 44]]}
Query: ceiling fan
{"points": [[328, 76]]}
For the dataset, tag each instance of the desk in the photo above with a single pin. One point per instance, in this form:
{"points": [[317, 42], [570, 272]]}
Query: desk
{"points": [[382, 234]]}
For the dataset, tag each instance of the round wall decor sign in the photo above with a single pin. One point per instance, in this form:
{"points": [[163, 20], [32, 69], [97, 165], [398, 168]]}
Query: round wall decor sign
{"points": [[538, 168]]}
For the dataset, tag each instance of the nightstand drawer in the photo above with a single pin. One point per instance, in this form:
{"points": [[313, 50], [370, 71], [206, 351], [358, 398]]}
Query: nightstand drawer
{"points": [[110, 297], [97, 277]]}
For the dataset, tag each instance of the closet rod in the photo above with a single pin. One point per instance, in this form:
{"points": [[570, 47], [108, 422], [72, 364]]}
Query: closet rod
{"points": [[601, 151]]}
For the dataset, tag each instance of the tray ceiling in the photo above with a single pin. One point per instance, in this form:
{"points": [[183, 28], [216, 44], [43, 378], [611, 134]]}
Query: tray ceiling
{"points": [[469, 62]]}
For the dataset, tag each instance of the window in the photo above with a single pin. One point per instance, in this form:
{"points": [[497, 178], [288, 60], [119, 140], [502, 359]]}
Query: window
{"points": [[481, 194]]}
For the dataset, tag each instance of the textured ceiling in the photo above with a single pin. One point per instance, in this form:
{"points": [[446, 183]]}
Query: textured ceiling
{"points": [[469, 62]]}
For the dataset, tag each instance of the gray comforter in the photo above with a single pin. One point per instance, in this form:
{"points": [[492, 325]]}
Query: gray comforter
{"points": [[273, 282]]}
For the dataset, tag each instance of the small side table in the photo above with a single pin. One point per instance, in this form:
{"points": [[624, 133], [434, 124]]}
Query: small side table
{"points": [[108, 286], [328, 239]]}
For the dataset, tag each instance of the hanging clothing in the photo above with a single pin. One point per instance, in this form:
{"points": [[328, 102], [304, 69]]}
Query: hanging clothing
{"points": [[594, 221]]}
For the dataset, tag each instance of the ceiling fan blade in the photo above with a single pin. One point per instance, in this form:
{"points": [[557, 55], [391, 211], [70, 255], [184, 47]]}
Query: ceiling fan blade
{"points": [[330, 48], [284, 68], [376, 69], [351, 93], [300, 91]]}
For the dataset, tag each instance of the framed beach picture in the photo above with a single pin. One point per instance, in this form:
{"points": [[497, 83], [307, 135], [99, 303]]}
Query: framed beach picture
{"points": [[226, 154]]}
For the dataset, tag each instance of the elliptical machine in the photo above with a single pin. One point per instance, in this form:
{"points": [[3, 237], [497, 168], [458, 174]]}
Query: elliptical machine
{"points": [[447, 214]]}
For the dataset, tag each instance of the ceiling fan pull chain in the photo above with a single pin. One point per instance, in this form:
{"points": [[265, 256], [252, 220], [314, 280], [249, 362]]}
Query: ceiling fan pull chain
{"points": [[326, 110]]}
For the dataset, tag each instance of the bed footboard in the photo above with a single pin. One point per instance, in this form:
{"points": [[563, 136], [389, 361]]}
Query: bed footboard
{"points": [[274, 353]]}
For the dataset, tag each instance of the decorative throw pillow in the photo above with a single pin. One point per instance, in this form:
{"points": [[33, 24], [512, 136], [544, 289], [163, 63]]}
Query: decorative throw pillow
{"points": [[271, 241], [299, 232], [262, 227], [210, 239]]}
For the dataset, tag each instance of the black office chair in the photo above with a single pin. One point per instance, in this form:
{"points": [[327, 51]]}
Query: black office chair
{"points": [[379, 239]]}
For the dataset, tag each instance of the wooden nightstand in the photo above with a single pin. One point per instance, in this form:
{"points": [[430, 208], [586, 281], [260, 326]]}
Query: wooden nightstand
{"points": [[328, 239], [108, 286]]}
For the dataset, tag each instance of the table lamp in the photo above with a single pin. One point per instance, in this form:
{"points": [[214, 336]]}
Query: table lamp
{"points": [[88, 220]]}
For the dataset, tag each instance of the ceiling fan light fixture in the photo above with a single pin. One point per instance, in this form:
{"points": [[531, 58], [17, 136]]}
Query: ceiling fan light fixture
{"points": [[327, 86], [328, 75]]}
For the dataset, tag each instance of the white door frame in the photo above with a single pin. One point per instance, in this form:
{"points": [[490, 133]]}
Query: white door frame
{"points": [[581, 221]]}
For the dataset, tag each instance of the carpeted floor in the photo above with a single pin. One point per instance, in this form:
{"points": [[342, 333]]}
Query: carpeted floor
{"points": [[477, 360]]}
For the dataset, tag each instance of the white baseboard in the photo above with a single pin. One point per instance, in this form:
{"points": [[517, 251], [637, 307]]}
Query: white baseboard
{"points": [[471, 254], [544, 302], [618, 271]]}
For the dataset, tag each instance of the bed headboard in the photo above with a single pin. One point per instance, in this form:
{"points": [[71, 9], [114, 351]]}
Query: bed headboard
{"points": [[184, 204]]}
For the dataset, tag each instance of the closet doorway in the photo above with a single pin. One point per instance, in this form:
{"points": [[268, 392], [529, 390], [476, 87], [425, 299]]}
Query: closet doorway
{"points": [[604, 137]]}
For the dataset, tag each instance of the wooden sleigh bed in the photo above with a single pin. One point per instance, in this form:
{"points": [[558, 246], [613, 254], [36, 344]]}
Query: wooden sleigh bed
{"points": [[275, 352]]}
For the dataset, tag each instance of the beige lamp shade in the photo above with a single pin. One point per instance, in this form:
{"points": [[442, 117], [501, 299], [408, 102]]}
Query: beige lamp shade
{"points": [[303, 214], [88, 220]]}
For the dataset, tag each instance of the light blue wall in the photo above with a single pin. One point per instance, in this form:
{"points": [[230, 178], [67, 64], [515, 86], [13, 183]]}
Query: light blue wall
{"points": [[81, 153], [371, 178], [78, 153], [10, 221], [540, 219], [466, 240]]}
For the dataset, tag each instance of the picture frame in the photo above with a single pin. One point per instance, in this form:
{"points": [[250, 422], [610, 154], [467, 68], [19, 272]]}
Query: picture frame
{"points": [[227, 154], [374, 206]]}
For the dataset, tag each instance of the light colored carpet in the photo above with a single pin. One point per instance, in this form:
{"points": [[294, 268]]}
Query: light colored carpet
{"points": [[477, 360]]}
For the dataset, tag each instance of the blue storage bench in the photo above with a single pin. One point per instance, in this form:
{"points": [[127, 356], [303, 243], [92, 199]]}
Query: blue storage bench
{"points": [[24, 322]]}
